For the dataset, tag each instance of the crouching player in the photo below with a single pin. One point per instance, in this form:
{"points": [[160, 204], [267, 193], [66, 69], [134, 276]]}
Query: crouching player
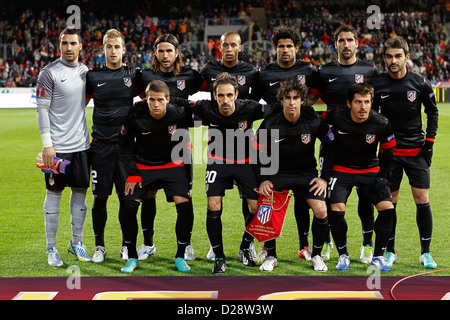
{"points": [[295, 130], [358, 130], [146, 151]]}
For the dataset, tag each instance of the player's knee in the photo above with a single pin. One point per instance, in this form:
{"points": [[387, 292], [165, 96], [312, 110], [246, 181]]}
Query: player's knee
{"points": [[214, 203]]}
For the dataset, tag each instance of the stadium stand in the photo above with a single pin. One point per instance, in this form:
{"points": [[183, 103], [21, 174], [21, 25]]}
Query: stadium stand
{"points": [[29, 32]]}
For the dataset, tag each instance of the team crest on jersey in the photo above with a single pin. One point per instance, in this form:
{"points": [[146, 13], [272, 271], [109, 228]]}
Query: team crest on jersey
{"points": [[242, 125], [172, 128], [411, 95], [306, 138], [127, 81], [359, 78], [370, 138], [301, 78], [241, 80], [264, 214], [181, 84]]}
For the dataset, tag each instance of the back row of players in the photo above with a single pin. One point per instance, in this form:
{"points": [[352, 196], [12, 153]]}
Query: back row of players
{"points": [[132, 148]]}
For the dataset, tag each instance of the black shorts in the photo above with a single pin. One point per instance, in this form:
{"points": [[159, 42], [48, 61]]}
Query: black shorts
{"points": [[220, 176], [298, 183], [341, 184], [106, 169], [77, 175], [174, 181], [416, 169]]}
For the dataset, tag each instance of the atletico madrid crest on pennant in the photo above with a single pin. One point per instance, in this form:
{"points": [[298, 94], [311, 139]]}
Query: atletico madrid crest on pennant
{"points": [[306, 138], [127, 81], [172, 128], [359, 78], [241, 80], [264, 214], [411, 96], [370, 138], [181, 84]]}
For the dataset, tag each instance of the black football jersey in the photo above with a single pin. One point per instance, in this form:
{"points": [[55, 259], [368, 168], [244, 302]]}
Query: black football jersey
{"points": [[269, 78], [296, 141], [243, 71], [401, 102], [148, 141], [356, 144], [113, 92], [332, 80], [187, 83], [230, 136]]}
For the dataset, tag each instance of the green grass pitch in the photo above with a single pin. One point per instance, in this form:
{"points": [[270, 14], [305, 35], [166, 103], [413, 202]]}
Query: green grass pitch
{"points": [[22, 237]]}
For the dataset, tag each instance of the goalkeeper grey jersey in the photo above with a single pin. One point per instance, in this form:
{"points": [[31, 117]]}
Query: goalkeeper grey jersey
{"points": [[60, 96]]}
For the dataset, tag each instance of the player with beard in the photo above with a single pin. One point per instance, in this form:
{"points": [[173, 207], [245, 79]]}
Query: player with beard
{"points": [[400, 94], [286, 41], [60, 98], [359, 132], [167, 66], [230, 46], [330, 84], [112, 87]]}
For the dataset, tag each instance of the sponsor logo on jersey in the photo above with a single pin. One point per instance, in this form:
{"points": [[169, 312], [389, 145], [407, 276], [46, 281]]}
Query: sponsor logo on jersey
{"points": [[264, 214], [370, 138], [306, 138], [127, 81], [301, 78], [411, 95], [181, 84], [242, 125], [241, 80], [172, 128], [359, 78]]}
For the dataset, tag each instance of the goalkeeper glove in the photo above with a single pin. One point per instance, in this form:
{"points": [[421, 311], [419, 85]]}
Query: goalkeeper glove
{"points": [[59, 165]]}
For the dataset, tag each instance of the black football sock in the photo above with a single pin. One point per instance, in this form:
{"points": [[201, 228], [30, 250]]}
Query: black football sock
{"points": [[214, 230], [391, 243], [319, 229], [130, 227], [148, 214], [424, 220], [99, 217], [366, 215], [383, 229], [182, 227], [301, 212], [339, 229]]}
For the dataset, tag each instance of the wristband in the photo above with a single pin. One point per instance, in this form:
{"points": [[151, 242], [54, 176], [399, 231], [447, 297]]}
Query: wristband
{"points": [[46, 140]]}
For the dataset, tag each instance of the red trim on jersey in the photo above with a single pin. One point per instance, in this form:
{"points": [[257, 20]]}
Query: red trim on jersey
{"points": [[204, 86], [407, 152], [430, 139], [351, 170], [134, 179], [168, 165], [315, 92], [213, 156], [388, 145]]}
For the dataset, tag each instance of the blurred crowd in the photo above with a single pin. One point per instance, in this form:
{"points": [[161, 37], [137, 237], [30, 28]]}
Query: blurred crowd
{"points": [[29, 33]]}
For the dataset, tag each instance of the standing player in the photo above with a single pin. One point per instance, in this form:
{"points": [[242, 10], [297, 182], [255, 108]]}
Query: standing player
{"points": [[230, 120], [230, 46], [400, 95], [297, 128], [358, 130], [60, 96], [112, 87], [286, 42], [167, 66], [331, 83], [146, 152]]}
